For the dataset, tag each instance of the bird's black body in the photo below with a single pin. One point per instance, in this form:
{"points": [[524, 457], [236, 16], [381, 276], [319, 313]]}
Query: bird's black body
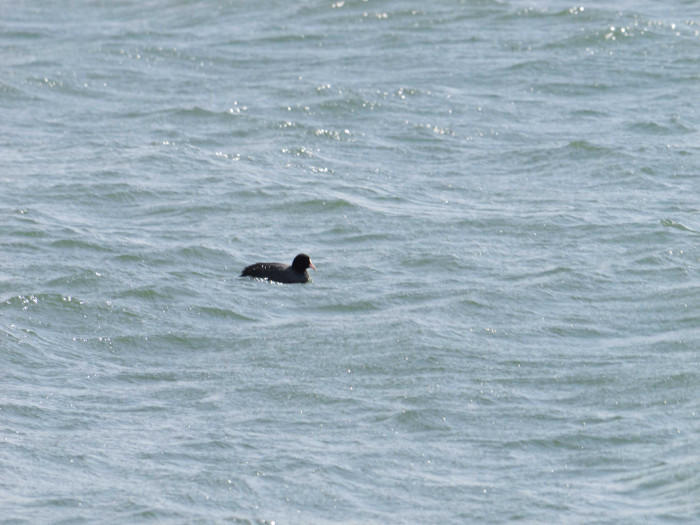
{"points": [[279, 272]]}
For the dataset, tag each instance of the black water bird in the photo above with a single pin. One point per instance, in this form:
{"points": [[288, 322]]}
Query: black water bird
{"points": [[280, 272]]}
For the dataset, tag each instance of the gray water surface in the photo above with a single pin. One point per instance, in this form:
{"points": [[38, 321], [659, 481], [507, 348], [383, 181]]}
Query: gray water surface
{"points": [[501, 198]]}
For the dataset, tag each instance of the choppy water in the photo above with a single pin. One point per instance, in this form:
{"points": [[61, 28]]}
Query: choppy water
{"points": [[502, 200]]}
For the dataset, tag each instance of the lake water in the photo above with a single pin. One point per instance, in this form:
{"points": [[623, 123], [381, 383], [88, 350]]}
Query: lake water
{"points": [[502, 199]]}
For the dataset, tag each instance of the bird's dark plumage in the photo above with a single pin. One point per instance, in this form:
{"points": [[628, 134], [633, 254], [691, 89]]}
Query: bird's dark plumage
{"points": [[279, 272]]}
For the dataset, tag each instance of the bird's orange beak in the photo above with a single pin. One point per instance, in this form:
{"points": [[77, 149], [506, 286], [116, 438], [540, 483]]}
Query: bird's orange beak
{"points": [[312, 265]]}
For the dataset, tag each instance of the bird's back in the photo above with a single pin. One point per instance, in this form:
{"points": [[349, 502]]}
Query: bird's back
{"points": [[263, 269], [281, 273]]}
